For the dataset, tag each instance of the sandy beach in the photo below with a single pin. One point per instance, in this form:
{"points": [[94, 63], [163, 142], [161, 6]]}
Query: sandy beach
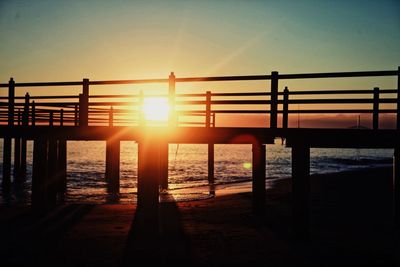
{"points": [[351, 223]]}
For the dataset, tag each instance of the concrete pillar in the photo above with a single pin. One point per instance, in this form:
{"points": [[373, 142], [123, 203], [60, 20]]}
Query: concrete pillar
{"points": [[211, 163], [300, 189], [6, 163], [258, 196], [62, 166], [148, 174], [17, 158], [52, 169], [39, 173], [396, 186], [22, 174], [112, 165], [164, 166]]}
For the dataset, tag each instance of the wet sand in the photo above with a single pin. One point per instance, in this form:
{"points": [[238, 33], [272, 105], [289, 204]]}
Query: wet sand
{"points": [[351, 224]]}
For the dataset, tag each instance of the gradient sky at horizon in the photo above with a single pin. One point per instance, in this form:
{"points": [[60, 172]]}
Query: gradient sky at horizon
{"points": [[69, 40]]}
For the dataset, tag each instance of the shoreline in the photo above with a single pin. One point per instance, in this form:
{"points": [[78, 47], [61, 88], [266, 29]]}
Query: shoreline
{"points": [[201, 192]]}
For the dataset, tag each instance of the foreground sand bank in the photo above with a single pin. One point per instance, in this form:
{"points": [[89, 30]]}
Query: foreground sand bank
{"points": [[351, 223]]}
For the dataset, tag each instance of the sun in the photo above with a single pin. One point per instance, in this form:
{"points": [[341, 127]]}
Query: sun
{"points": [[155, 109]]}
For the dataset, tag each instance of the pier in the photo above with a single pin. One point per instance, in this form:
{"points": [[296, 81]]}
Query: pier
{"points": [[52, 120]]}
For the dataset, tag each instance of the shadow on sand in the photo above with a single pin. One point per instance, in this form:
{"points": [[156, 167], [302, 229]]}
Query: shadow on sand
{"points": [[157, 238]]}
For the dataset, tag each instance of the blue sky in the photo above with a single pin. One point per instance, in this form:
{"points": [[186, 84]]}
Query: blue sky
{"points": [[69, 40]]}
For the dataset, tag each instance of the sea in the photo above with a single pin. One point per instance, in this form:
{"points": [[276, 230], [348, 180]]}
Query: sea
{"points": [[187, 169]]}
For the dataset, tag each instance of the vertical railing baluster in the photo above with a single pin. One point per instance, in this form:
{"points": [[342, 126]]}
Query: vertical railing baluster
{"points": [[285, 115], [33, 113], [61, 117], [210, 144], [208, 109], [274, 99], [11, 101], [84, 104], [25, 116], [375, 118], [76, 115], [51, 118], [171, 99], [111, 117]]}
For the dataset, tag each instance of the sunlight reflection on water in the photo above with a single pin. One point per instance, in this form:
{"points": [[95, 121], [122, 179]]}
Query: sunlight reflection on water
{"points": [[188, 168]]}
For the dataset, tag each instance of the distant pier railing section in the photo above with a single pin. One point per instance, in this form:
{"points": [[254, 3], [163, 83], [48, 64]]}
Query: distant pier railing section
{"points": [[51, 120], [199, 109]]}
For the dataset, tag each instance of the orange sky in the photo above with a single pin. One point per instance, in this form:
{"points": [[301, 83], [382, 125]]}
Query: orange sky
{"points": [[102, 40]]}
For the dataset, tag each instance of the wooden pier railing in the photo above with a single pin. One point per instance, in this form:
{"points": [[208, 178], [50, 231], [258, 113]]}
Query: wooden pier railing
{"points": [[51, 120]]}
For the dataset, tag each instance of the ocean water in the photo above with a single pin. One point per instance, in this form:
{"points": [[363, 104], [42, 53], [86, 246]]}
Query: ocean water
{"points": [[187, 168]]}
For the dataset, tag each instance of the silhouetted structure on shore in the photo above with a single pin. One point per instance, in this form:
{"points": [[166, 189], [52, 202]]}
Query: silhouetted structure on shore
{"points": [[87, 117]]}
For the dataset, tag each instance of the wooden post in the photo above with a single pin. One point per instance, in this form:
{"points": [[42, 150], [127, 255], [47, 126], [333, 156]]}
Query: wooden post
{"points": [[84, 104], [111, 117], [171, 99], [274, 99], [81, 105], [375, 119], [61, 117], [213, 119], [11, 101], [33, 113], [208, 109], [285, 116], [300, 189], [7, 140], [76, 114], [25, 123], [258, 193], [51, 118], [39, 173], [211, 177]]}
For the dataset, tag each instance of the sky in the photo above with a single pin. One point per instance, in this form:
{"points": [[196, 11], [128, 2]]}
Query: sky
{"points": [[55, 40], [69, 40]]}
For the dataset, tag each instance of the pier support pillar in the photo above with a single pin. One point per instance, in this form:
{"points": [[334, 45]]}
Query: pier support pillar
{"points": [[164, 166], [39, 173], [300, 189], [17, 159], [259, 158], [62, 166], [6, 163], [149, 169], [396, 186], [211, 163], [112, 165], [52, 170], [23, 159]]}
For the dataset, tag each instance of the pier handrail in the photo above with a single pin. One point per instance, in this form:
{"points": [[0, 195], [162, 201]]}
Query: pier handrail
{"points": [[92, 107]]}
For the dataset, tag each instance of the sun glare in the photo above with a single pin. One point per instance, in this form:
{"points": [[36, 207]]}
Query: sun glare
{"points": [[155, 108]]}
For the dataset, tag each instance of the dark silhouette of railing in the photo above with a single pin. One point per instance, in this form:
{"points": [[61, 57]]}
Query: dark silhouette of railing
{"points": [[91, 109]]}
